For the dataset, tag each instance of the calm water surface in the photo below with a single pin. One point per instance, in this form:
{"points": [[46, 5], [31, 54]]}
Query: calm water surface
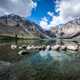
{"points": [[44, 65], [52, 65]]}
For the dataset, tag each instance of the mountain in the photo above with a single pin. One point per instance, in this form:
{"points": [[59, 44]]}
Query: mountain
{"points": [[71, 29], [10, 25]]}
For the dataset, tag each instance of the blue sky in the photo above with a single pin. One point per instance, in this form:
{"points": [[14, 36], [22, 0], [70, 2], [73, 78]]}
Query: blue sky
{"points": [[42, 9]]}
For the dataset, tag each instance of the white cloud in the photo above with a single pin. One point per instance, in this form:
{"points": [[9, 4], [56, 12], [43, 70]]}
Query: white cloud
{"points": [[69, 9], [56, 20], [19, 7], [50, 13], [44, 23], [34, 4]]}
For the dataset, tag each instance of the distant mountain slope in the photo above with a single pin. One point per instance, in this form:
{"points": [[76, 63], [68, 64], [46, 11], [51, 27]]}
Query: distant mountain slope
{"points": [[10, 25], [71, 29]]}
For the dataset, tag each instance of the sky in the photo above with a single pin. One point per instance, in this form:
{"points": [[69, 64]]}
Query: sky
{"points": [[46, 13], [43, 10]]}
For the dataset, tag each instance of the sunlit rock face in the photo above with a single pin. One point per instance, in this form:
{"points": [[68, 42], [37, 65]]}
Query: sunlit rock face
{"points": [[71, 29]]}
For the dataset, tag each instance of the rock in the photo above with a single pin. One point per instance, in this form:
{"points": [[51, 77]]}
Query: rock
{"points": [[24, 46], [28, 47], [40, 49], [79, 48], [63, 47], [48, 47], [43, 48], [23, 52], [20, 47], [13, 46], [72, 47], [56, 47]]}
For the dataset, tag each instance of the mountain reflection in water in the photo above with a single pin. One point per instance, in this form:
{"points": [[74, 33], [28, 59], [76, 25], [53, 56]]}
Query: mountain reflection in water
{"points": [[44, 65], [49, 56], [51, 65]]}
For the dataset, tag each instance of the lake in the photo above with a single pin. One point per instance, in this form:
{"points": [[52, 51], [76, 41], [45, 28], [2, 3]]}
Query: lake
{"points": [[43, 65]]}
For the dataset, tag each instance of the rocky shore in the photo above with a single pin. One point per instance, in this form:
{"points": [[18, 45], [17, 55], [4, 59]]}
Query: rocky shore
{"points": [[28, 49]]}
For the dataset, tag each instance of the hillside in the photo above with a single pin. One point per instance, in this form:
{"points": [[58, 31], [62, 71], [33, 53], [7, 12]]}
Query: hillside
{"points": [[71, 29], [11, 25]]}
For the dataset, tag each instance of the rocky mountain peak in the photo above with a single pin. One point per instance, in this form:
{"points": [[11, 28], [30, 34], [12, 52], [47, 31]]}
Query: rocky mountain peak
{"points": [[71, 28], [9, 24]]}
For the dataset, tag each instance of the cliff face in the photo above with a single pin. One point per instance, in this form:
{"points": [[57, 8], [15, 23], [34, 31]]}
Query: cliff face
{"points": [[71, 29], [14, 24]]}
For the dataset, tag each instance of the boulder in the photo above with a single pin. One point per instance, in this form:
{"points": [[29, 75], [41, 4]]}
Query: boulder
{"points": [[72, 47], [56, 47], [63, 47], [13, 46]]}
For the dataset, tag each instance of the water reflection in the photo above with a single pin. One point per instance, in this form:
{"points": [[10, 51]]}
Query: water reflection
{"points": [[49, 65], [43, 65], [49, 56], [54, 55]]}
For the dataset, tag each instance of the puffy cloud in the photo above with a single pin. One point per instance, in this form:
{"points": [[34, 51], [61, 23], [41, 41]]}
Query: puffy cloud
{"points": [[56, 20], [69, 10], [50, 13], [19, 7], [44, 23], [34, 4]]}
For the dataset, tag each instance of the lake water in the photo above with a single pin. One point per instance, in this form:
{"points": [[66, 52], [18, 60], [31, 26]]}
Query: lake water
{"points": [[51, 65], [43, 65]]}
